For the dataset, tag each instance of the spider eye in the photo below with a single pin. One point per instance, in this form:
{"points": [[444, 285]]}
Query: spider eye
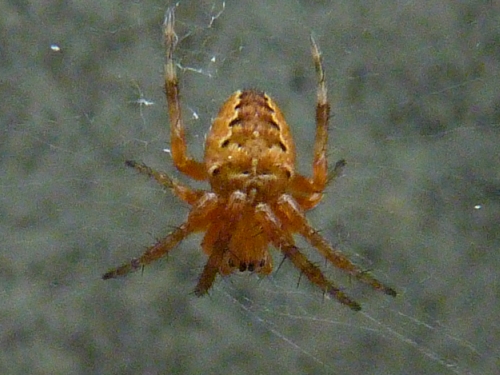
{"points": [[243, 267], [215, 171], [251, 266]]}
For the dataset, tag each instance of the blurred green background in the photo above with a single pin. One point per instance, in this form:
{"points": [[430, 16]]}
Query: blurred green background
{"points": [[414, 89]]}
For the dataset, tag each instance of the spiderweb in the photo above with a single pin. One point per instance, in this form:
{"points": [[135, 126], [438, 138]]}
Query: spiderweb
{"points": [[416, 115]]}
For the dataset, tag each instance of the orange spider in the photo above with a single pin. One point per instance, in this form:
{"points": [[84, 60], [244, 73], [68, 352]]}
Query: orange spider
{"points": [[256, 197]]}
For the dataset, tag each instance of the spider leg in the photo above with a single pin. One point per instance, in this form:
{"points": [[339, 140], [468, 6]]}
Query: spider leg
{"points": [[295, 216], [198, 219], [320, 165], [211, 269], [309, 191], [158, 250], [303, 191], [182, 161], [284, 241], [184, 192], [216, 241]]}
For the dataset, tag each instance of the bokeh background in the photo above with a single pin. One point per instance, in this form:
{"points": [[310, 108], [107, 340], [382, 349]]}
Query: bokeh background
{"points": [[414, 88]]}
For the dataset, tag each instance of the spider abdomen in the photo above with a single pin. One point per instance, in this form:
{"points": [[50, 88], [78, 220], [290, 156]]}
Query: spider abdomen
{"points": [[249, 146]]}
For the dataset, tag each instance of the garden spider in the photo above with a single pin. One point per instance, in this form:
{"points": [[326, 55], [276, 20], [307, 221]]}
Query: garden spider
{"points": [[256, 197]]}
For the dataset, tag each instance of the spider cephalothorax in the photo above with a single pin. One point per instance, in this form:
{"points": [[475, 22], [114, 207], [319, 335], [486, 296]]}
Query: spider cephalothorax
{"points": [[256, 198]]}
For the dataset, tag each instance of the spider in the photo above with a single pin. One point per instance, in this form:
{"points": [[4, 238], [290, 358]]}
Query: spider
{"points": [[256, 198]]}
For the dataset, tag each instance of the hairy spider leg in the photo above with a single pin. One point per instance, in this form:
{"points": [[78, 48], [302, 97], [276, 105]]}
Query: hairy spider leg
{"points": [[182, 161], [309, 191], [199, 218], [320, 163], [216, 240], [284, 242], [183, 192], [299, 224]]}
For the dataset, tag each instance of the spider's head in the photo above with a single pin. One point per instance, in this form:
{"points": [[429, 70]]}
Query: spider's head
{"points": [[247, 249], [241, 262]]}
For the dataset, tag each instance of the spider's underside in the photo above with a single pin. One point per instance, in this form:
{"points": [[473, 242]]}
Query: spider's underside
{"points": [[256, 198]]}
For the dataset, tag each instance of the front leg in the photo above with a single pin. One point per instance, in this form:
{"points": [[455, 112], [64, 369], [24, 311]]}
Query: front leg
{"points": [[216, 240], [283, 241], [199, 218], [298, 223]]}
